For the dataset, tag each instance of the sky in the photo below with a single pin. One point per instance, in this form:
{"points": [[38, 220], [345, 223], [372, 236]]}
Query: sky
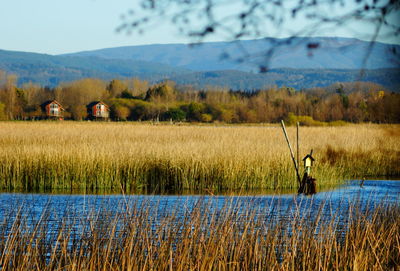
{"points": [[66, 26]]}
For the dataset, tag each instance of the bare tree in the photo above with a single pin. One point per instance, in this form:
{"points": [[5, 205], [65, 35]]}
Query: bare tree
{"points": [[8, 94], [254, 19]]}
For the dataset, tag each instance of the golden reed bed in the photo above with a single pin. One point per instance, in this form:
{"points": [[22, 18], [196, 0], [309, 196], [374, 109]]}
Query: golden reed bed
{"points": [[132, 156], [203, 238]]}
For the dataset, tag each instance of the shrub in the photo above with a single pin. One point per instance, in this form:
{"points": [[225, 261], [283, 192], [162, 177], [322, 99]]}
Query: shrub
{"points": [[176, 114], [2, 112], [206, 117], [292, 119]]}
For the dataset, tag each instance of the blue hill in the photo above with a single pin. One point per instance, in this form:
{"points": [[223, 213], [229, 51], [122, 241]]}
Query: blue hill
{"points": [[51, 70], [327, 53], [231, 65]]}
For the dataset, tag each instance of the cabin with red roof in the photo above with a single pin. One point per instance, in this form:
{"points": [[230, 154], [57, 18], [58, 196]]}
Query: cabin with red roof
{"points": [[53, 110], [98, 110]]}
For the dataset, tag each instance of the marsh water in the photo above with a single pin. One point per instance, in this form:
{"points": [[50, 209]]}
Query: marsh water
{"points": [[328, 204]]}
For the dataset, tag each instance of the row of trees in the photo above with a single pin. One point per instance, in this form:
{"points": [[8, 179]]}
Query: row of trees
{"points": [[135, 99]]}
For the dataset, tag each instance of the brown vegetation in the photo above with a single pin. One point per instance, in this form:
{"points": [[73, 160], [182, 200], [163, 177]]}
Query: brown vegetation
{"points": [[137, 100], [204, 237], [128, 156]]}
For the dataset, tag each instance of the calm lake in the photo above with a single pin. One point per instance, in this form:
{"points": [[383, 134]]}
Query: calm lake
{"points": [[329, 203]]}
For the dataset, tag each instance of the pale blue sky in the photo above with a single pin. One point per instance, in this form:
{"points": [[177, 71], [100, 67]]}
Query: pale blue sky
{"points": [[64, 26]]}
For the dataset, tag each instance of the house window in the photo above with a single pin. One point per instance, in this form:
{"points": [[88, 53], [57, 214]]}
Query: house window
{"points": [[54, 111]]}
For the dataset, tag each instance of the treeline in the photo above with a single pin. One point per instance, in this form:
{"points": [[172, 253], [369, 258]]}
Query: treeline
{"points": [[137, 100]]}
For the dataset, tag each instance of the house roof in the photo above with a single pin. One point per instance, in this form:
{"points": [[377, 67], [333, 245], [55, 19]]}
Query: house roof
{"points": [[309, 156], [95, 103], [50, 102]]}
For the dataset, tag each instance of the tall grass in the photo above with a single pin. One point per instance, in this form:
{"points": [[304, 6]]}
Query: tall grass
{"points": [[204, 238], [70, 155]]}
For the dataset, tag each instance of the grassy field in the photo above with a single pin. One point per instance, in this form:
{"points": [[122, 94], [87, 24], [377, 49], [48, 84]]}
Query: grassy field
{"points": [[203, 238], [53, 155]]}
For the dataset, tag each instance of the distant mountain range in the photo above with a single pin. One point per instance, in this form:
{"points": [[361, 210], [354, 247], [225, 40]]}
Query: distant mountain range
{"points": [[298, 53], [296, 78], [51, 70], [299, 63]]}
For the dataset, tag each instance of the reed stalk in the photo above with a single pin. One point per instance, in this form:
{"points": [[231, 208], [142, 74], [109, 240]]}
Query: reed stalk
{"points": [[236, 236], [71, 155]]}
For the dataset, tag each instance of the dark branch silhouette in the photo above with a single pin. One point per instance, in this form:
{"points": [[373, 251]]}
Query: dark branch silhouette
{"points": [[232, 20]]}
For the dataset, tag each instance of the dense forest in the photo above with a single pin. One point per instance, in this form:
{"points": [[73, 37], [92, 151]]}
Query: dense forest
{"points": [[138, 100], [48, 70]]}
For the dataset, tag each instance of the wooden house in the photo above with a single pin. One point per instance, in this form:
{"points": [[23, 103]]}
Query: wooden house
{"points": [[53, 110], [98, 110]]}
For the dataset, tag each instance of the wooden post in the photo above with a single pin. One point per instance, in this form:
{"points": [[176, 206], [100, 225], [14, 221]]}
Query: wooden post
{"points": [[170, 260], [308, 186], [291, 151], [297, 142]]}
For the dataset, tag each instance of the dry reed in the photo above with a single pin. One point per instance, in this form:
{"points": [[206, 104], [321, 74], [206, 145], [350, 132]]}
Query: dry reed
{"points": [[204, 238], [70, 155]]}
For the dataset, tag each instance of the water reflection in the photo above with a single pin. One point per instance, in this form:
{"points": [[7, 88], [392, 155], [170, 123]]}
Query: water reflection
{"points": [[92, 227], [61, 206], [204, 192]]}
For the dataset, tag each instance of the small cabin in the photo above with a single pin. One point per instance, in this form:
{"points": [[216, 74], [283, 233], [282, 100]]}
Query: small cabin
{"points": [[98, 110], [53, 110]]}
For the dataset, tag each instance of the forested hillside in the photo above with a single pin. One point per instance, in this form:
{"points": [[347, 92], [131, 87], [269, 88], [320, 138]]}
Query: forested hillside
{"points": [[226, 64], [296, 78], [48, 70], [249, 55]]}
